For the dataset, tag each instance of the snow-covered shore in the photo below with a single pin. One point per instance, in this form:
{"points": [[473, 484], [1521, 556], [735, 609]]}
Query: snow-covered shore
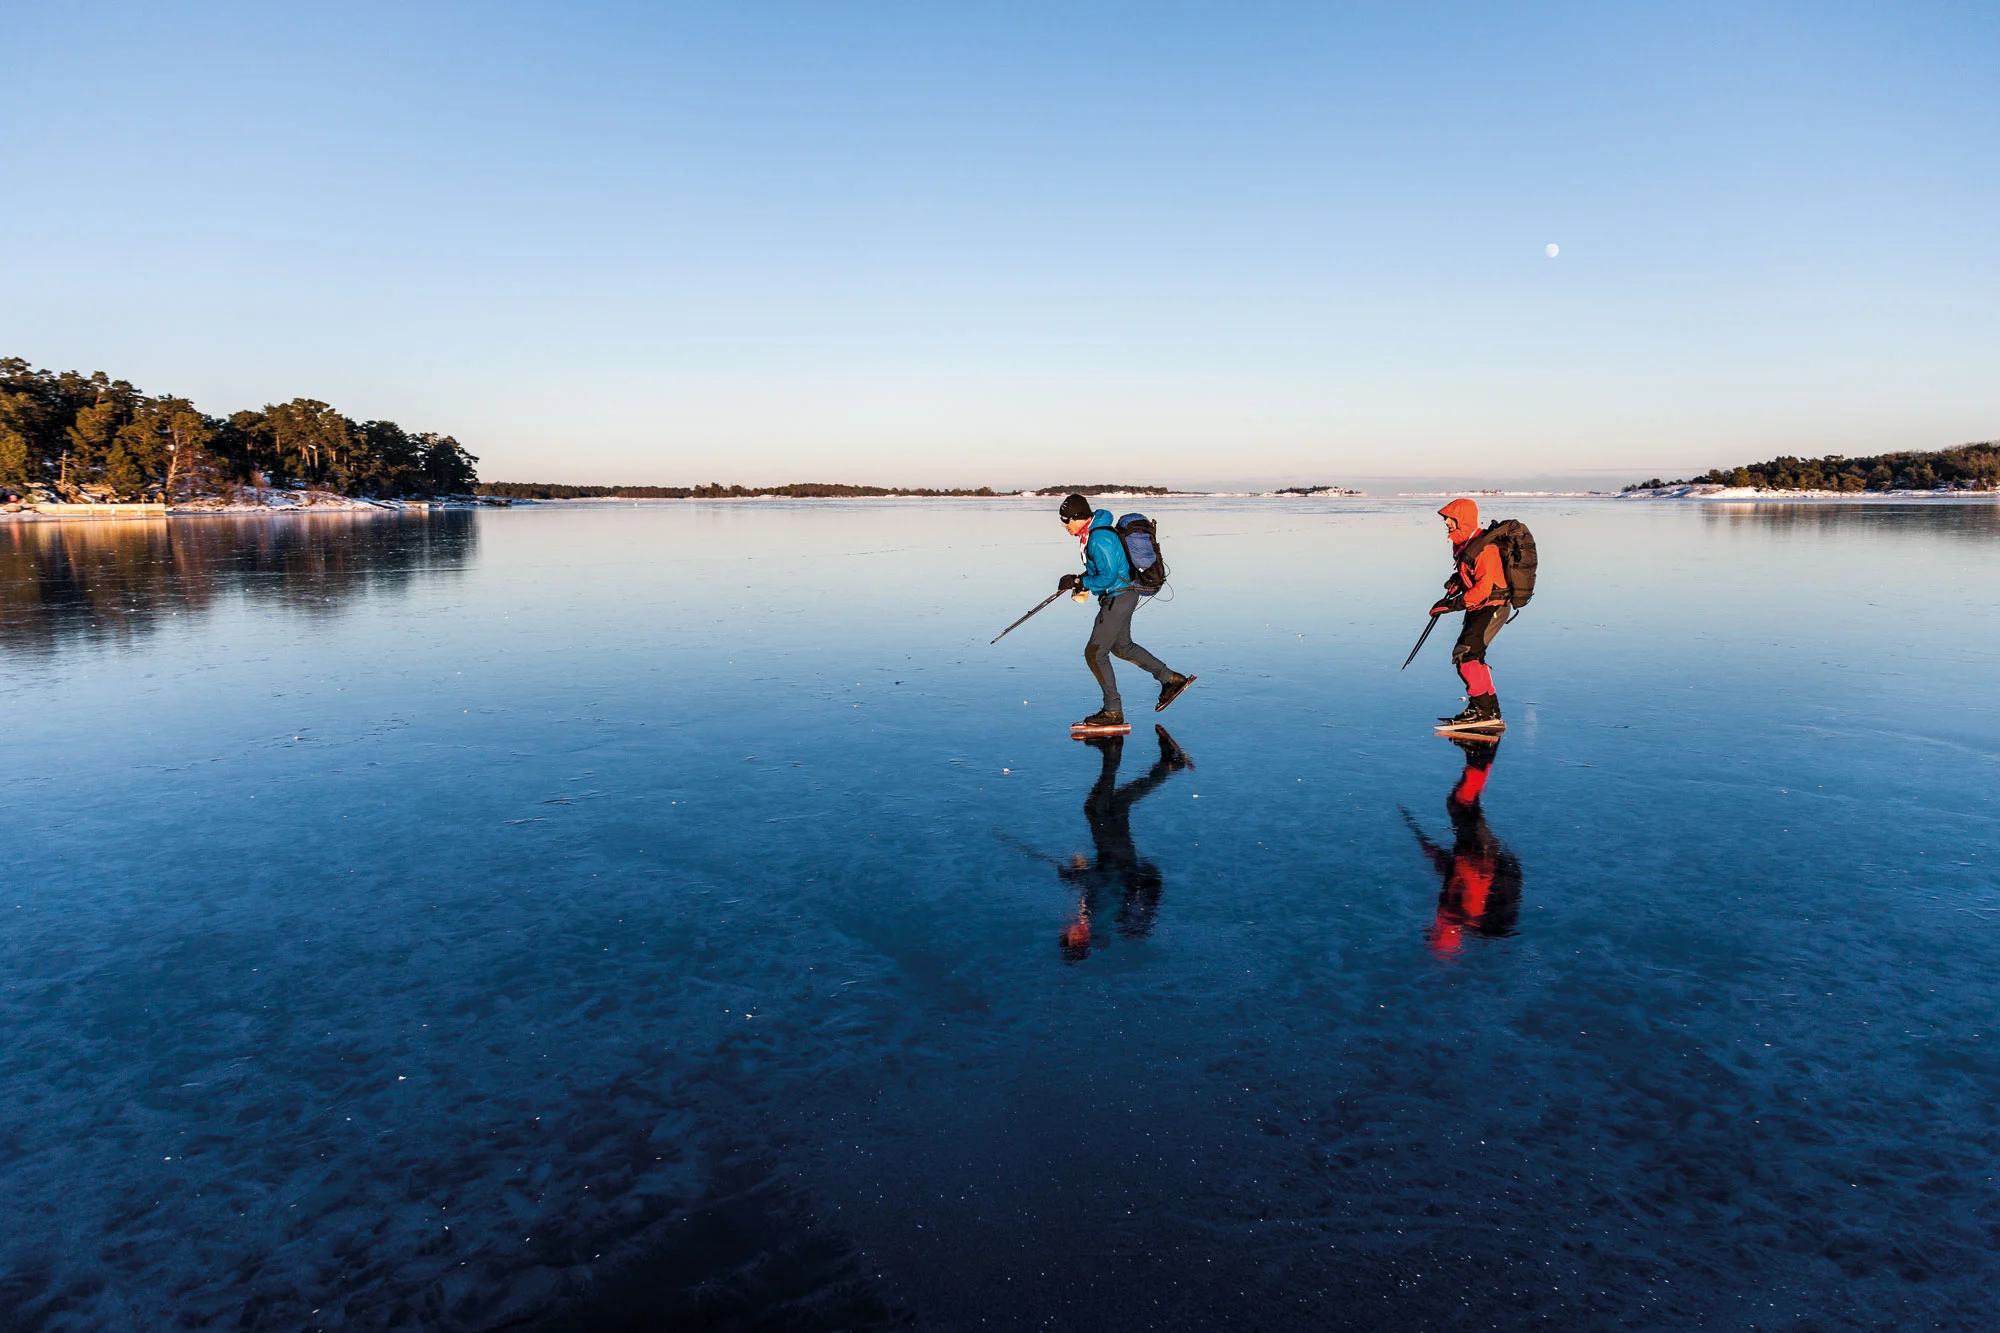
{"points": [[1770, 495], [264, 501], [246, 501]]}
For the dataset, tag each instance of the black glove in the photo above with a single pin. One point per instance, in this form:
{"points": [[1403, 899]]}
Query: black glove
{"points": [[1448, 604], [1068, 582]]}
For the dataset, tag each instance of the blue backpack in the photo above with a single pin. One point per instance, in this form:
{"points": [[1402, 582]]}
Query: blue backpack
{"points": [[1142, 552]]}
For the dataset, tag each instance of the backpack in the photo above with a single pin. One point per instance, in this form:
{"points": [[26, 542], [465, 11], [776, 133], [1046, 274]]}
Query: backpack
{"points": [[1142, 552], [1517, 556]]}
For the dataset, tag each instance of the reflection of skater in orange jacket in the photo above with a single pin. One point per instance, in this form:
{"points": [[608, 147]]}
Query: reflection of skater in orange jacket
{"points": [[1118, 868], [1482, 879]]}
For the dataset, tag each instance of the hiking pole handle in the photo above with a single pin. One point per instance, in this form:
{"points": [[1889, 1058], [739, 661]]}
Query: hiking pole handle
{"points": [[1038, 606], [1420, 644]]}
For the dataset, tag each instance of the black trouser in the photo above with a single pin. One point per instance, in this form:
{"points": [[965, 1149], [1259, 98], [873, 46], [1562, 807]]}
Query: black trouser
{"points": [[1111, 637], [1480, 629]]}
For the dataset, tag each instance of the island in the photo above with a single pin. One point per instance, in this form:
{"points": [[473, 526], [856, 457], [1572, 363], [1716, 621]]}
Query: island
{"points": [[1955, 471], [76, 442]]}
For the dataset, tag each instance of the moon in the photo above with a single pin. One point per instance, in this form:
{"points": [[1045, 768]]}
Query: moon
{"points": [[1552, 249]]}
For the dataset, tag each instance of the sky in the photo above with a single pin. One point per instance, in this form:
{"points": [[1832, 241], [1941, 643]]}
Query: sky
{"points": [[1005, 244]]}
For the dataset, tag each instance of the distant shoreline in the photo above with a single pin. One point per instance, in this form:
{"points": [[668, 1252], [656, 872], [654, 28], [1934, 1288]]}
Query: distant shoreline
{"points": [[276, 502], [1030, 496]]}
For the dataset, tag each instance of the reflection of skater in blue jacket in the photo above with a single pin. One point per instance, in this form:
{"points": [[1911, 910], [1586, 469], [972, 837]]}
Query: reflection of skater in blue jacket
{"points": [[1108, 574], [1118, 868]]}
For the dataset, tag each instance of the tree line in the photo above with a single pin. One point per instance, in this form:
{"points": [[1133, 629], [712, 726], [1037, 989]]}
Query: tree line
{"points": [[90, 437], [1104, 488], [1969, 467]]}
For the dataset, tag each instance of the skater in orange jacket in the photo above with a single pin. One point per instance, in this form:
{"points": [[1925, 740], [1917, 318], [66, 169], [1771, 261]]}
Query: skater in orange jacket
{"points": [[1478, 587]]}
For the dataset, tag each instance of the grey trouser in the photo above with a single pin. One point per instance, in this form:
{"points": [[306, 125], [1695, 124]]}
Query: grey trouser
{"points": [[1111, 637]]}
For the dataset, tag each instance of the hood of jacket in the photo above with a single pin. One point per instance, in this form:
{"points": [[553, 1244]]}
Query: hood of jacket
{"points": [[1462, 520]]}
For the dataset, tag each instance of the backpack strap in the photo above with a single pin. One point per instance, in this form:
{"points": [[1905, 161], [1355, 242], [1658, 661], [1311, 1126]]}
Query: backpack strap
{"points": [[1485, 538]]}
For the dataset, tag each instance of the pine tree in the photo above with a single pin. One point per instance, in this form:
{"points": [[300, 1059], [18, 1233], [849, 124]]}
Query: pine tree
{"points": [[187, 435], [448, 469], [310, 439], [20, 415], [123, 472], [88, 440], [13, 458]]}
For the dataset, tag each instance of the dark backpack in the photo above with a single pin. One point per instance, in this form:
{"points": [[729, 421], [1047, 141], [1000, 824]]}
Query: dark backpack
{"points": [[1142, 552], [1517, 556]]}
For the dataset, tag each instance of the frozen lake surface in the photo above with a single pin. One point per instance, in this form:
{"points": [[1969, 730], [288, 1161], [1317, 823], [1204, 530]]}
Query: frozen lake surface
{"points": [[667, 916]]}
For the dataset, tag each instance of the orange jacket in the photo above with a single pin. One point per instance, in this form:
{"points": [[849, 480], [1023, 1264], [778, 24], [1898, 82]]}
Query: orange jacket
{"points": [[1484, 580]]}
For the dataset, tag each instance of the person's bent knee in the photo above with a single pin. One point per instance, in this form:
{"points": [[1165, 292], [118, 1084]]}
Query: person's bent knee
{"points": [[1465, 652]]}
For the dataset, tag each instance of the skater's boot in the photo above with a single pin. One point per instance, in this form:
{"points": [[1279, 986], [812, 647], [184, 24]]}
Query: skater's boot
{"points": [[1170, 690], [1103, 717], [1469, 714], [1485, 709], [1482, 713]]}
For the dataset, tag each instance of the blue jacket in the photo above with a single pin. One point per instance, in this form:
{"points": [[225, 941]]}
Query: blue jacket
{"points": [[1105, 571]]}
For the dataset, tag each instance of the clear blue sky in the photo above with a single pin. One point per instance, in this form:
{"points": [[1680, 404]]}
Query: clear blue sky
{"points": [[1016, 242]]}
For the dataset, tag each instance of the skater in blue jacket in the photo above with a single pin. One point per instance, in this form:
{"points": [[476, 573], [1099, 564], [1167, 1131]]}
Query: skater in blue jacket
{"points": [[1108, 575]]}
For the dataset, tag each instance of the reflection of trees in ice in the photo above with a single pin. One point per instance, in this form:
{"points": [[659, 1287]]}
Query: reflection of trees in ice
{"points": [[86, 580]]}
